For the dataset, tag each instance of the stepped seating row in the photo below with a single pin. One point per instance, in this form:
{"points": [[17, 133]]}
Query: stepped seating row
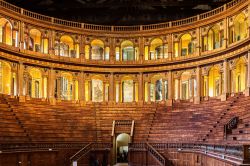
{"points": [[187, 122], [37, 121]]}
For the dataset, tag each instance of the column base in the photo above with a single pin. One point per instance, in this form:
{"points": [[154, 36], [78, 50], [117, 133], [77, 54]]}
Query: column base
{"points": [[140, 103], [21, 99], [206, 98], [82, 103], [247, 92], [169, 102], [52, 101], [27, 97], [223, 97], [197, 100]]}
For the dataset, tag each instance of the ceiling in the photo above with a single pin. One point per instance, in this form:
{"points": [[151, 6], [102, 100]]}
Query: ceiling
{"points": [[119, 12]]}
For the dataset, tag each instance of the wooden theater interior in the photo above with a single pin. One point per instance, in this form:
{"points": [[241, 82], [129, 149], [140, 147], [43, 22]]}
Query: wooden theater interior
{"points": [[125, 83]]}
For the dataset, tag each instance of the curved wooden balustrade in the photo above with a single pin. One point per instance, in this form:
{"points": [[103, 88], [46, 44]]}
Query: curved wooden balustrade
{"points": [[232, 153], [93, 27]]}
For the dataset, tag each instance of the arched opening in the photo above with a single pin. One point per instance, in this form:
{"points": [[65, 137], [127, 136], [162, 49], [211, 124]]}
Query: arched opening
{"points": [[97, 90], [186, 45], [239, 29], [122, 141], [239, 76], [65, 47], [5, 78], [97, 50], [66, 82], [187, 86], [36, 83], [128, 51], [156, 49], [157, 88], [214, 77], [5, 31], [128, 90], [212, 40], [35, 40]]}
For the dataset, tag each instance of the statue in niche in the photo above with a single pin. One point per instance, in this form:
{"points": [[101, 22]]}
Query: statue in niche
{"points": [[158, 90], [98, 93]]}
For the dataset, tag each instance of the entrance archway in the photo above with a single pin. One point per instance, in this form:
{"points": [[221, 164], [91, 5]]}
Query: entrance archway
{"points": [[122, 141]]}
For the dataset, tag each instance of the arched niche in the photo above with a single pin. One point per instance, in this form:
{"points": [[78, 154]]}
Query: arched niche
{"points": [[214, 82], [5, 31], [36, 83], [128, 51], [97, 50]]}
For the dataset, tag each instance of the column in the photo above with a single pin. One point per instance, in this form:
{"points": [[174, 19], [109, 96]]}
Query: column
{"points": [[42, 87], [21, 34], [170, 86], [82, 49], [90, 90], [52, 42], [20, 78], [51, 86], [120, 92], [207, 86], [247, 92], [111, 88], [198, 84], [73, 89], [170, 47], [163, 91], [12, 83], [179, 89], [198, 44], [140, 88], [81, 88], [103, 91], [141, 49], [112, 50], [225, 83], [134, 83], [58, 95], [226, 36], [149, 85]]}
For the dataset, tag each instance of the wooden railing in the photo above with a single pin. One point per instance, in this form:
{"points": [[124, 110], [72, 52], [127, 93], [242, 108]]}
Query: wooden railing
{"points": [[81, 153], [232, 124], [182, 22], [234, 153], [128, 124], [90, 147], [156, 155]]}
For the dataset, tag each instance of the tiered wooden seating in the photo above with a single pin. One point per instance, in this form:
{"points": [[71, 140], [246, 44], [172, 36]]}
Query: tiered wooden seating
{"points": [[58, 123], [241, 134], [11, 130], [186, 122]]}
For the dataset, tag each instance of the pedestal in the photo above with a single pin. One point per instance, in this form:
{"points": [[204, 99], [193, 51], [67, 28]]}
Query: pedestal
{"points": [[82, 103], [247, 92], [52, 101], [197, 100], [169, 102], [224, 97], [21, 99]]}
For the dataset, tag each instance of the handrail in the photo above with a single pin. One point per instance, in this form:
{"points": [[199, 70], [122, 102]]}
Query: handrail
{"points": [[86, 26], [160, 159], [91, 146], [229, 126], [238, 153], [81, 152]]}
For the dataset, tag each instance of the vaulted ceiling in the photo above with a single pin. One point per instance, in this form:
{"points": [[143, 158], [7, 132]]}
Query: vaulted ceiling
{"points": [[119, 12]]}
